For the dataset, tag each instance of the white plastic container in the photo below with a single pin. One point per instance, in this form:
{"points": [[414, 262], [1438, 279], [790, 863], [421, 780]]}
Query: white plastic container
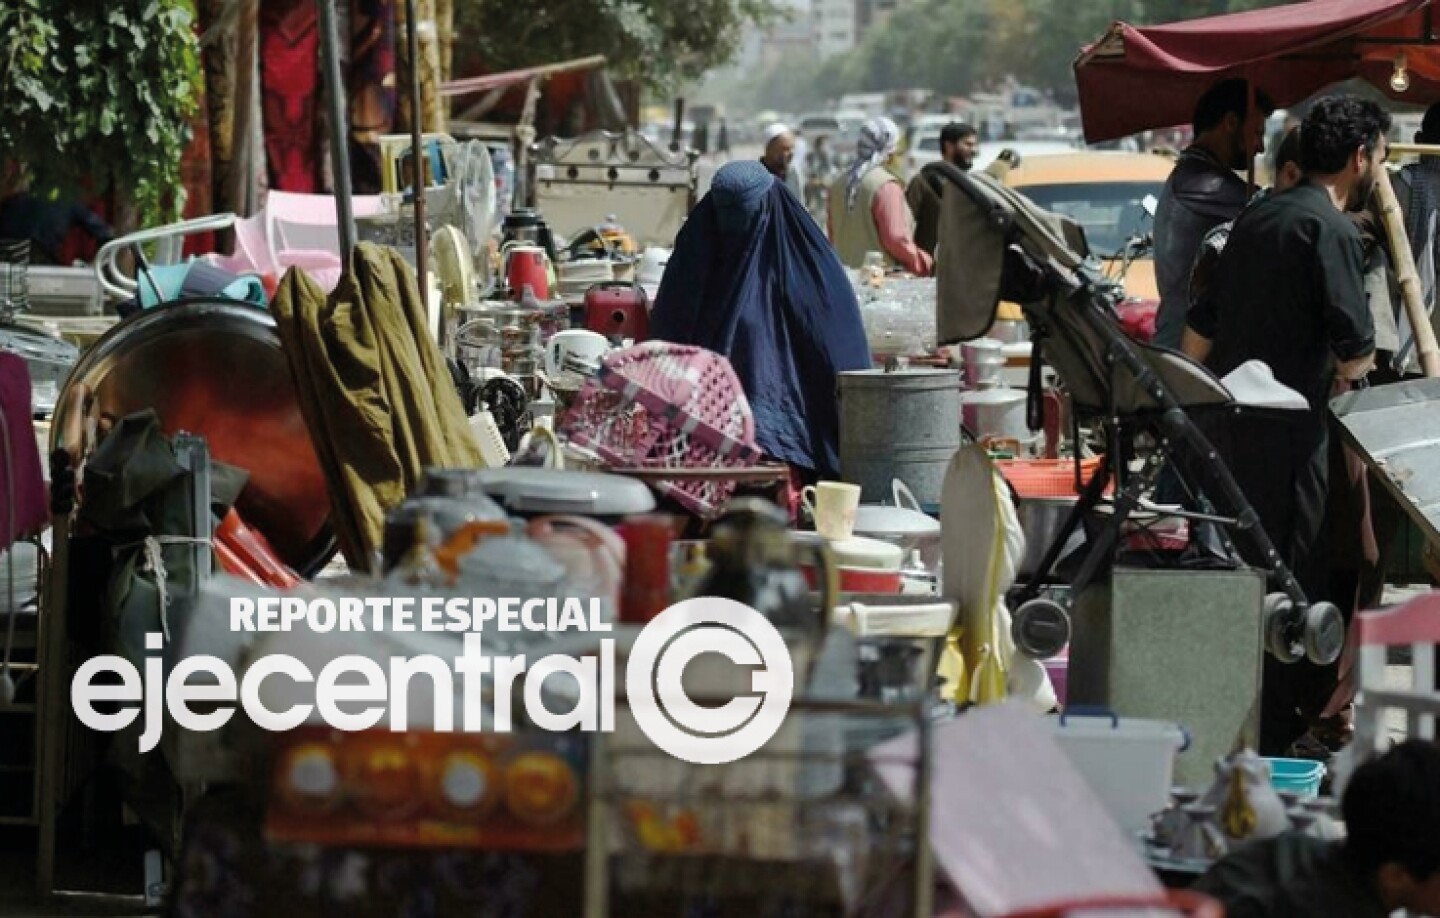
{"points": [[1129, 763]]}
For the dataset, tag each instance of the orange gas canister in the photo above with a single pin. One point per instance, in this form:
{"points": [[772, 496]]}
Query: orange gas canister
{"points": [[618, 310]]}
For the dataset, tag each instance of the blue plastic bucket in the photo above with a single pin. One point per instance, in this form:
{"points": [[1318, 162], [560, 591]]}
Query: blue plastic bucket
{"points": [[1297, 776]]}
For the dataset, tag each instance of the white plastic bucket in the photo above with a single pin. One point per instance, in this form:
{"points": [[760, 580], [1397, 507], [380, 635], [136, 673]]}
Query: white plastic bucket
{"points": [[1129, 763]]}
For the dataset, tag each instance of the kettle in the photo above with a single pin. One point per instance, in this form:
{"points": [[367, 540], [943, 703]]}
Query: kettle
{"points": [[527, 226], [1247, 804], [755, 560], [527, 265]]}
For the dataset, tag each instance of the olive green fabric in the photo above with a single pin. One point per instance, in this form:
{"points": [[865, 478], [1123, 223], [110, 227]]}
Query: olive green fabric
{"points": [[855, 232], [374, 389], [136, 489]]}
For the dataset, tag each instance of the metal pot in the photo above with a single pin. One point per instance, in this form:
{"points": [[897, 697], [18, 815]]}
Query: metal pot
{"points": [[1041, 519], [902, 526], [995, 412], [984, 359]]}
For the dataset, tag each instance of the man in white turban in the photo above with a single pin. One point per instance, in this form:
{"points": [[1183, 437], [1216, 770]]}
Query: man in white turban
{"points": [[868, 212]]}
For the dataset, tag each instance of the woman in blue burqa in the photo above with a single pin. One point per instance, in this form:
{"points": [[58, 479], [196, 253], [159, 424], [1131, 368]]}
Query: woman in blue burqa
{"points": [[753, 278]]}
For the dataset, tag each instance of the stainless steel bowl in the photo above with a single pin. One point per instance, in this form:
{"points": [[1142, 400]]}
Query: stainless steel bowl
{"points": [[1041, 520]]}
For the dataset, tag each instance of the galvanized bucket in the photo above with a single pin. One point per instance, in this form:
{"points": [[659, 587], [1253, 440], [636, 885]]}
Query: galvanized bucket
{"points": [[903, 424]]}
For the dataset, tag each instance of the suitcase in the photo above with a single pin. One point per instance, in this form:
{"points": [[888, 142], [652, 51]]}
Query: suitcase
{"points": [[618, 310]]}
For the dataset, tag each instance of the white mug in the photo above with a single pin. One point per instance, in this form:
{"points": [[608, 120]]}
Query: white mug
{"points": [[575, 342], [832, 504]]}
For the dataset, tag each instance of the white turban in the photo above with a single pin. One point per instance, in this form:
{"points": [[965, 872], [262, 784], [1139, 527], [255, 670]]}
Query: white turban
{"points": [[773, 131], [879, 138]]}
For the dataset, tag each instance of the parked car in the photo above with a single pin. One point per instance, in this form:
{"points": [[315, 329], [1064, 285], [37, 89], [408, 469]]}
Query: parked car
{"points": [[990, 149], [1105, 193], [924, 148], [817, 125]]}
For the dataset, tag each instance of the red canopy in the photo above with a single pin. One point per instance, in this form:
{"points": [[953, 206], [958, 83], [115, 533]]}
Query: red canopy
{"points": [[1136, 79]]}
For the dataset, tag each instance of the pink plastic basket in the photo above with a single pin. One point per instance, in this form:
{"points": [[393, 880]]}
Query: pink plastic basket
{"points": [[663, 405]]}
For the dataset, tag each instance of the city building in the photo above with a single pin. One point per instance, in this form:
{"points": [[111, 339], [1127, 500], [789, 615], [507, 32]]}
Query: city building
{"points": [[836, 26]]}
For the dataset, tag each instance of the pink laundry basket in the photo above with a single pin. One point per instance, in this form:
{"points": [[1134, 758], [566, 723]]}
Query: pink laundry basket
{"points": [[663, 405]]}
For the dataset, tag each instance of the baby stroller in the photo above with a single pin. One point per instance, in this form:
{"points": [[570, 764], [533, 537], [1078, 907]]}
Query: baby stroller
{"points": [[1133, 392]]}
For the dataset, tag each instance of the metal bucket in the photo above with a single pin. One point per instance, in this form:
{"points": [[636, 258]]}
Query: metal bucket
{"points": [[902, 425]]}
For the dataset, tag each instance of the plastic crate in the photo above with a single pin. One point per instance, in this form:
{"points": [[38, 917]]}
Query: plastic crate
{"points": [[1039, 478]]}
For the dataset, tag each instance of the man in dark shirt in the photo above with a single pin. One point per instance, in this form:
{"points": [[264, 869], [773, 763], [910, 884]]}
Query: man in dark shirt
{"points": [[1202, 192], [1289, 291], [1389, 860], [959, 145], [45, 223]]}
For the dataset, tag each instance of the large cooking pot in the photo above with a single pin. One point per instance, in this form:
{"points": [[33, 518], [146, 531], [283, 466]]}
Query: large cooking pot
{"points": [[215, 368], [996, 412]]}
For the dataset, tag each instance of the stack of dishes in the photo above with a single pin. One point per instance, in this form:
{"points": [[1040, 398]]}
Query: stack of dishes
{"points": [[580, 275]]}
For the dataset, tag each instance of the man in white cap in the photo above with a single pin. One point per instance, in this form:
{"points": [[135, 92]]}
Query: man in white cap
{"points": [[779, 157]]}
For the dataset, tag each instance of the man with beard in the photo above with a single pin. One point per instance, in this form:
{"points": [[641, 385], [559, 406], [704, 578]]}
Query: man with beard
{"points": [[959, 145], [779, 158], [1202, 192], [1289, 291]]}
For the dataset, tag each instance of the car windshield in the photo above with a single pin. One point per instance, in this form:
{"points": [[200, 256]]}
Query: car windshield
{"points": [[819, 124], [1110, 212], [928, 144]]}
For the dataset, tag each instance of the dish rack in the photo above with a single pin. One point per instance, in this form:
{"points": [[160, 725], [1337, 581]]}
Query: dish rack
{"points": [[658, 405], [803, 828]]}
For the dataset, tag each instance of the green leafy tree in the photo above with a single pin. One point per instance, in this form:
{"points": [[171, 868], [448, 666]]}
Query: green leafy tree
{"points": [[99, 94], [659, 42]]}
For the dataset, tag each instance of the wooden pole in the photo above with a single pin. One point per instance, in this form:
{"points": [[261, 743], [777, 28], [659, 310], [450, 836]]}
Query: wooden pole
{"points": [[1398, 150], [1410, 292], [242, 165], [417, 151]]}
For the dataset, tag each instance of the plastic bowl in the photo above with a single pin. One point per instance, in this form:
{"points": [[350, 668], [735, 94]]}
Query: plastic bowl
{"points": [[1297, 776]]}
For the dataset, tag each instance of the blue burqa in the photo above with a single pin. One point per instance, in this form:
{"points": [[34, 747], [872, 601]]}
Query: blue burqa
{"points": [[752, 277]]}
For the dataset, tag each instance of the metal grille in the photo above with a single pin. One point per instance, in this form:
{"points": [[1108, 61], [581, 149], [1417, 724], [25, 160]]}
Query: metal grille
{"points": [[14, 280]]}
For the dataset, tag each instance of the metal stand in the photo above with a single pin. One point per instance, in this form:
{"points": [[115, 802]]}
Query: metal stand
{"points": [[897, 834]]}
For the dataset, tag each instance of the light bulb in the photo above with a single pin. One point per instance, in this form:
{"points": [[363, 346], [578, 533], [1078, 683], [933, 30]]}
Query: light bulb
{"points": [[1400, 79]]}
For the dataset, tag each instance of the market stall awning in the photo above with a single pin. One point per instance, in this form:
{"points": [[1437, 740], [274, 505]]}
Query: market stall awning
{"points": [[1140, 78], [513, 78]]}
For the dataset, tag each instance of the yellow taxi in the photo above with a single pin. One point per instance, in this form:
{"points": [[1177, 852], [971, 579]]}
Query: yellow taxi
{"points": [[1105, 193]]}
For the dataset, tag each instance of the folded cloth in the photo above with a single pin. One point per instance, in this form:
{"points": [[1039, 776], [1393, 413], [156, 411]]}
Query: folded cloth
{"points": [[192, 279], [31, 512], [1254, 385]]}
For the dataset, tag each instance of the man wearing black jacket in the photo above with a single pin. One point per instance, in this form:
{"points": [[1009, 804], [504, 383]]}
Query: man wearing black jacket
{"points": [[959, 145]]}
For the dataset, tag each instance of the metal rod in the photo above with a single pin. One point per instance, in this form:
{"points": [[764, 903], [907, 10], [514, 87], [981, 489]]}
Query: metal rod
{"points": [[339, 128], [417, 152], [484, 83]]}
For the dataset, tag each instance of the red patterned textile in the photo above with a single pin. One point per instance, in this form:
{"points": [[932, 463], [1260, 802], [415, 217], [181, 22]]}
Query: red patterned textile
{"points": [[290, 86]]}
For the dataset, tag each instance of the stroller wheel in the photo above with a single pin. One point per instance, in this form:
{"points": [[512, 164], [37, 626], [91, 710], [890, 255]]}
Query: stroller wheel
{"points": [[1041, 628], [1279, 615], [1323, 633]]}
